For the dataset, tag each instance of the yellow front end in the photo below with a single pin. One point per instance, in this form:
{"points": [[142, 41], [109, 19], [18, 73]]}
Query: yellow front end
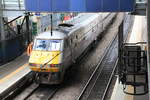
{"points": [[49, 58], [46, 65]]}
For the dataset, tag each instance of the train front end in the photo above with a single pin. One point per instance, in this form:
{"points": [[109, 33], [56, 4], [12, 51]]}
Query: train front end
{"points": [[46, 60]]}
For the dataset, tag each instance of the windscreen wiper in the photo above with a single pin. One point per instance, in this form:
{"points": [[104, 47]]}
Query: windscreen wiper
{"points": [[50, 60]]}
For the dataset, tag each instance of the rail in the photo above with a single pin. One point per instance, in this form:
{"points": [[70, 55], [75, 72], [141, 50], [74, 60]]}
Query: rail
{"points": [[99, 70], [98, 84], [36, 89]]}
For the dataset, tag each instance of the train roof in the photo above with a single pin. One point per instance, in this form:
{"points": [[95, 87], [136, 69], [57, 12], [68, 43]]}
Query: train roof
{"points": [[47, 35], [71, 25], [65, 29]]}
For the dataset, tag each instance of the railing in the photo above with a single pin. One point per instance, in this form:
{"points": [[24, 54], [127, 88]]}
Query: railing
{"points": [[13, 5], [134, 71]]}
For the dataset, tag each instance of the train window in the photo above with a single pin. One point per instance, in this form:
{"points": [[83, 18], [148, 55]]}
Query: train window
{"points": [[66, 43], [41, 45], [47, 45], [55, 45], [76, 36], [71, 41]]}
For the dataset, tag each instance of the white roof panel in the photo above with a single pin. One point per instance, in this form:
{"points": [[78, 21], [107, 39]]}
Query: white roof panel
{"points": [[55, 35]]}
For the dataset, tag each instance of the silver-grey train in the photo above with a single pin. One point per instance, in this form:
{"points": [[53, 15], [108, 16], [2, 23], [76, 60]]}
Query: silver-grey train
{"points": [[52, 54]]}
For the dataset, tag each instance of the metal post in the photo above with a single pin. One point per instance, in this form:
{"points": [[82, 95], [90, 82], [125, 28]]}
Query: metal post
{"points": [[120, 49], [28, 29], [2, 33], [148, 40], [19, 4], [1, 22], [51, 24]]}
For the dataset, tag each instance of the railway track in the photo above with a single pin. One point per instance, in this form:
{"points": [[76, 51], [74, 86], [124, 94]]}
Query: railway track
{"points": [[98, 84], [47, 92], [38, 92], [34, 90]]}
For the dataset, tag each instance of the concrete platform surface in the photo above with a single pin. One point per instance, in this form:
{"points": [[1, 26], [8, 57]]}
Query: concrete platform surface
{"points": [[11, 72]]}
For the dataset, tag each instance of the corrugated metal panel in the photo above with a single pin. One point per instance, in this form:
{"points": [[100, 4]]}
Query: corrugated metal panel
{"points": [[94, 5], [127, 5], [111, 6], [31, 5], [60, 5], [80, 5], [44, 6]]}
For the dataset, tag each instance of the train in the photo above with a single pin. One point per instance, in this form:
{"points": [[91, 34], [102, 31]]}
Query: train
{"points": [[54, 51]]}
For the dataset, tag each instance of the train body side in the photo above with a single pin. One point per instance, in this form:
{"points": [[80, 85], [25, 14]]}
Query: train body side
{"points": [[83, 36], [76, 39]]}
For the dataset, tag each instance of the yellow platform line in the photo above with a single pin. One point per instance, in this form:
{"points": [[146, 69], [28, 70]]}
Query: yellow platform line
{"points": [[12, 74]]}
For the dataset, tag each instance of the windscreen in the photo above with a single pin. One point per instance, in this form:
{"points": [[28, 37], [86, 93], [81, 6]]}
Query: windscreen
{"points": [[47, 45]]}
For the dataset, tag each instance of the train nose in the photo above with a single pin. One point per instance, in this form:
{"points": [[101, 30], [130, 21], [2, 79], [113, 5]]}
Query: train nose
{"points": [[42, 57]]}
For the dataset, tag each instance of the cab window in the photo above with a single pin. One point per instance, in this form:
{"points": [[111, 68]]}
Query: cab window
{"points": [[55, 45], [41, 45], [48, 45]]}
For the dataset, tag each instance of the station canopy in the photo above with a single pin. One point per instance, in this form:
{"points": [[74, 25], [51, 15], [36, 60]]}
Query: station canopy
{"points": [[79, 5]]}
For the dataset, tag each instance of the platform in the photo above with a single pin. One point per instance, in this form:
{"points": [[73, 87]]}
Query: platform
{"points": [[12, 72], [138, 34]]}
